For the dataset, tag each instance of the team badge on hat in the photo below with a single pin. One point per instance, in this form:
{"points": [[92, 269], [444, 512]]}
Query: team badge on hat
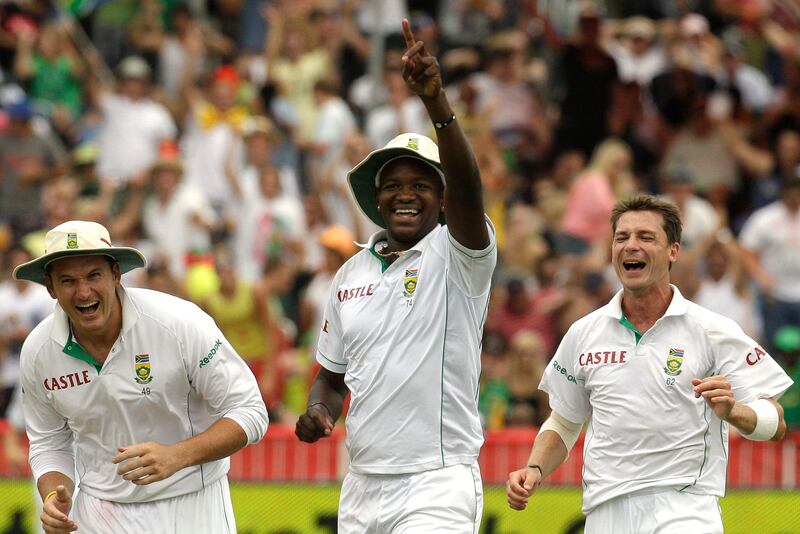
{"points": [[142, 363], [674, 362], [72, 241], [410, 282]]}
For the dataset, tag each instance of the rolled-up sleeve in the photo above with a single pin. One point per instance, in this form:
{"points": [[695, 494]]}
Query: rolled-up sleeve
{"points": [[223, 379]]}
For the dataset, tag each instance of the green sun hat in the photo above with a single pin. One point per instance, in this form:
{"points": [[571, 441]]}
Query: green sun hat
{"points": [[78, 238], [363, 178]]}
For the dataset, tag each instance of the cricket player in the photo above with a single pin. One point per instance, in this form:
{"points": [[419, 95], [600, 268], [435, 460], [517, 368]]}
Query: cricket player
{"points": [[402, 330], [662, 378], [141, 385]]}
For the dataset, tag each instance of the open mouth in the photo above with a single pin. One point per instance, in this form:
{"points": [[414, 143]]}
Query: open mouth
{"points": [[88, 309], [406, 213], [633, 265]]}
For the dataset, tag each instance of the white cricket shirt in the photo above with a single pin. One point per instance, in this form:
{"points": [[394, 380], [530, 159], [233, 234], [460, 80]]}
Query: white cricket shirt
{"points": [[407, 337], [773, 233], [647, 429], [168, 377]]}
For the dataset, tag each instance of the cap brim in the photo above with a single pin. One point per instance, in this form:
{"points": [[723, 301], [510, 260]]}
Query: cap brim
{"points": [[362, 179], [34, 271]]}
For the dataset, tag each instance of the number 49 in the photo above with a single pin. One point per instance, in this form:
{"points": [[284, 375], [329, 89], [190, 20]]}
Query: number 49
{"points": [[145, 391]]}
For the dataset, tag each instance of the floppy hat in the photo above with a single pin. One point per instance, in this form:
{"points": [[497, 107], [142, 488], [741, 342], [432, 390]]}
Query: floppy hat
{"points": [[339, 239], [134, 67], [363, 178], [78, 238]]}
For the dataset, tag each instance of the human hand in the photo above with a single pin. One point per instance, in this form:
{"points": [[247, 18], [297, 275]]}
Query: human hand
{"points": [[145, 463], [717, 392], [520, 485], [314, 424], [421, 71], [55, 510]]}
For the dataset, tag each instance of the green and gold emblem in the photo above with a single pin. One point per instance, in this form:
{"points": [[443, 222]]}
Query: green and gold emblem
{"points": [[142, 364], [410, 282], [72, 241], [674, 362], [413, 143]]}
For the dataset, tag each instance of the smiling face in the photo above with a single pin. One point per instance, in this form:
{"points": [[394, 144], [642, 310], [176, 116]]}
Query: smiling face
{"points": [[410, 198], [641, 252], [85, 287]]}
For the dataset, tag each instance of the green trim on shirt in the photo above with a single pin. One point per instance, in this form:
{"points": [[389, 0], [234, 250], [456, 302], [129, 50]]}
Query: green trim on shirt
{"points": [[627, 324], [384, 263], [72, 348], [441, 386]]}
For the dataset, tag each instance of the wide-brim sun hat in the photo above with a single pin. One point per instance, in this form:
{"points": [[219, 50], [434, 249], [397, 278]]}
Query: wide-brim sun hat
{"points": [[78, 238], [363, 178]]}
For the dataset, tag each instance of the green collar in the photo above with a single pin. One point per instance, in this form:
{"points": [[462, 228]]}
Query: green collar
{"points": [[627, 324], [384, 263], [72, 348]]}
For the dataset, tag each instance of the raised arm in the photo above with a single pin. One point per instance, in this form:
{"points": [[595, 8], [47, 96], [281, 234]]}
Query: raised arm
{"points": [[463, 205]]}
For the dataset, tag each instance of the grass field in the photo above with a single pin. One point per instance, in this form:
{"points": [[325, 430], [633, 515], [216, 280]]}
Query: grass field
{"points": [[302, 509]]}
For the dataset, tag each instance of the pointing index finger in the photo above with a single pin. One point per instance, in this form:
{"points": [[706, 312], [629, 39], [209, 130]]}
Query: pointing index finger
{"points": [[409, 36]]}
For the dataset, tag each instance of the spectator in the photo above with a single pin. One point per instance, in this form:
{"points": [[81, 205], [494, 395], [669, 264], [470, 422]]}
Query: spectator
{"points": [[590, 75], [723, 286], [22, 306], [53, 70], [243, 316], [592, 195], [698, 216], [177, 218], [517, 313], [401, 113], [338, 244], [638, 55], [28, 160], [529, 356], [770, 242], [270, 223], [133, 124], [333, 123], [211, 145]]}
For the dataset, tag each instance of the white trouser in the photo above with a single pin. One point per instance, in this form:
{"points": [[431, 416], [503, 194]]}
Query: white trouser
{"points": [[662, 511], [207, 511], [445, 501]]}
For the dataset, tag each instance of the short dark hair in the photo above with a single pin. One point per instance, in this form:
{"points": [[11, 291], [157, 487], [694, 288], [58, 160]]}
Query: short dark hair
{"points": [[669, 212]]}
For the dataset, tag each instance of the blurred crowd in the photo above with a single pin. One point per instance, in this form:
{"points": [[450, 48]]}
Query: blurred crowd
{"points": [[215, 136]]}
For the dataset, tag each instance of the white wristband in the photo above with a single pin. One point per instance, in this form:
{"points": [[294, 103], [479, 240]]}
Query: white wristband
{"points": [[766, 420]]}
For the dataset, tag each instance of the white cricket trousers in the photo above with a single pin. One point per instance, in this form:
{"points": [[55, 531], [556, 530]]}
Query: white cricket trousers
{"points": [[445, 501], [207, 511], [658, 511]]}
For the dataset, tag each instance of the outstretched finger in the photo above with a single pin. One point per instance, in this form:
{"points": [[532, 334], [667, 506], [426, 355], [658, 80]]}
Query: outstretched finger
{"points": [[407, 33]]}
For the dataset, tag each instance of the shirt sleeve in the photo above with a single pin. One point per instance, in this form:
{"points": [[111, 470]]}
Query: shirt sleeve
{"points": [[472, 269], [222, 378], [751, 371], [750, 236], [330, 346], [48, 432], [568, 396]]}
